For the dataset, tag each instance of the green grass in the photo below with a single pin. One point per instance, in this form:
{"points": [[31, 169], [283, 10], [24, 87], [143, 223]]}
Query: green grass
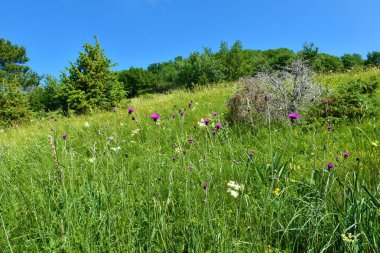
{"points": [[112, 190]]}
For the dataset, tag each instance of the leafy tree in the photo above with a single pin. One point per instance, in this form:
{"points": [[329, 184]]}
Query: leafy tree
{"points": [[373, 58], [279, 58], [12, 65], [231, 60], [137, 81], [199, 69], [309, 52], [327, 63], [90, 83], [14, 106], [15, 78], [352, 60]]}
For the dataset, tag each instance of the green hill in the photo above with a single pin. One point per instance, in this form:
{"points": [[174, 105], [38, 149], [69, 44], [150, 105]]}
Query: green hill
{"points": [[120, 182]]}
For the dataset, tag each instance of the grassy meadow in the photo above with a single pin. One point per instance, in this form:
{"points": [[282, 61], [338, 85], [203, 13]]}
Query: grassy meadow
{"points": [[121, 182]]}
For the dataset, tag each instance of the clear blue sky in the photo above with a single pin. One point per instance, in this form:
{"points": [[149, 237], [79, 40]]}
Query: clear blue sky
{"points": [[140, 32]]}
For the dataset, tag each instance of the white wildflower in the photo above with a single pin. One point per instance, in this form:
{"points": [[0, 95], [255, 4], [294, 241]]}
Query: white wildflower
{"points": [[233, 193], [86, 124], [349, 238], [178, 150], [201, 124], [234, 185], [136, 131], [111, 138], [116, 149]]}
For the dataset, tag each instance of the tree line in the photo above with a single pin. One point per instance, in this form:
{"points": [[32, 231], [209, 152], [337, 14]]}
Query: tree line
{"points": [[89, 83]]}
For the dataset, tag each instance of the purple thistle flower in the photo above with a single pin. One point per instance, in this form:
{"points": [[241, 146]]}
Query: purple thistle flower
{"points": [[204, 186], [130, 110], [191, 140], [189, 105], [64, 136], [218, 126], [293, 116], [346, 154], [330, 166], [329, 128], [214, 132], [155, 117], [182, 113], [215, 114], [206, 121], [174, 158], [251, 154], [326, 101]]}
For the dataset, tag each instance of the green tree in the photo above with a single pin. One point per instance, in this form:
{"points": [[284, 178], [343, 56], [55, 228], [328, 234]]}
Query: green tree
{"points": [[309, 52], [231, 60], [373, 58], [15, 80], [352, 60], [137, 81], [327, 63], [90, 83]]}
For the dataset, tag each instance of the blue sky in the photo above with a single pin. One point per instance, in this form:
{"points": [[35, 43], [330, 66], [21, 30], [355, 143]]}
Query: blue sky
{"points": [[140, 32]]}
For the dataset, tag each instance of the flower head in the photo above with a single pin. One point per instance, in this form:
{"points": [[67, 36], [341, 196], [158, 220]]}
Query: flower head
{"points": [[206, 121], [329, 128], [215, 114], [155, 116], [251, 154], [204, 186], [330, 166], [64, 136], [214, 132], [218, 125], [346, 154], [293, 116], [191, 140], [233, 193], [130, 110], [326, 101]]}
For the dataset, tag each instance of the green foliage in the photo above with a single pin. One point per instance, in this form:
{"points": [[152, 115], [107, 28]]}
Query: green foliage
{"points": [[137, 81], [352, 60], [324, 63], [90, 83], [15, 80], [279, 58], [373, 58], [12, 65], [309, 52], [356, 99], [199, 69], [14, 106]]}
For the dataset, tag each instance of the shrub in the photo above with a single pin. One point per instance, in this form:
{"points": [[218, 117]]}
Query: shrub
{"points": [[275, 94], [354, 100], [14, 107]]}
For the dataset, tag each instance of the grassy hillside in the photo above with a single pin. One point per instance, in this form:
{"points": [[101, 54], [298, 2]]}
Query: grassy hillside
{"points": [[124, 183]]}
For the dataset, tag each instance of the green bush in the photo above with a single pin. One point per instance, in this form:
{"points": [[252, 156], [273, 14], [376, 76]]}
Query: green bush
{"points": [[354, 100]]}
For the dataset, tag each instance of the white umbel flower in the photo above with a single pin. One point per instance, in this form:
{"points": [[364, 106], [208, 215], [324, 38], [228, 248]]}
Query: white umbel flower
{"points": [[233, 193]]}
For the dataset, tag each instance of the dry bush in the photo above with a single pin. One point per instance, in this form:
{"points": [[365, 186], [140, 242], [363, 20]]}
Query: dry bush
{"points": [[275, 95]]}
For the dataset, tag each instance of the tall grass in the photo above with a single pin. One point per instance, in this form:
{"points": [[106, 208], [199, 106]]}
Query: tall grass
{"points": [[113, 188]]}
